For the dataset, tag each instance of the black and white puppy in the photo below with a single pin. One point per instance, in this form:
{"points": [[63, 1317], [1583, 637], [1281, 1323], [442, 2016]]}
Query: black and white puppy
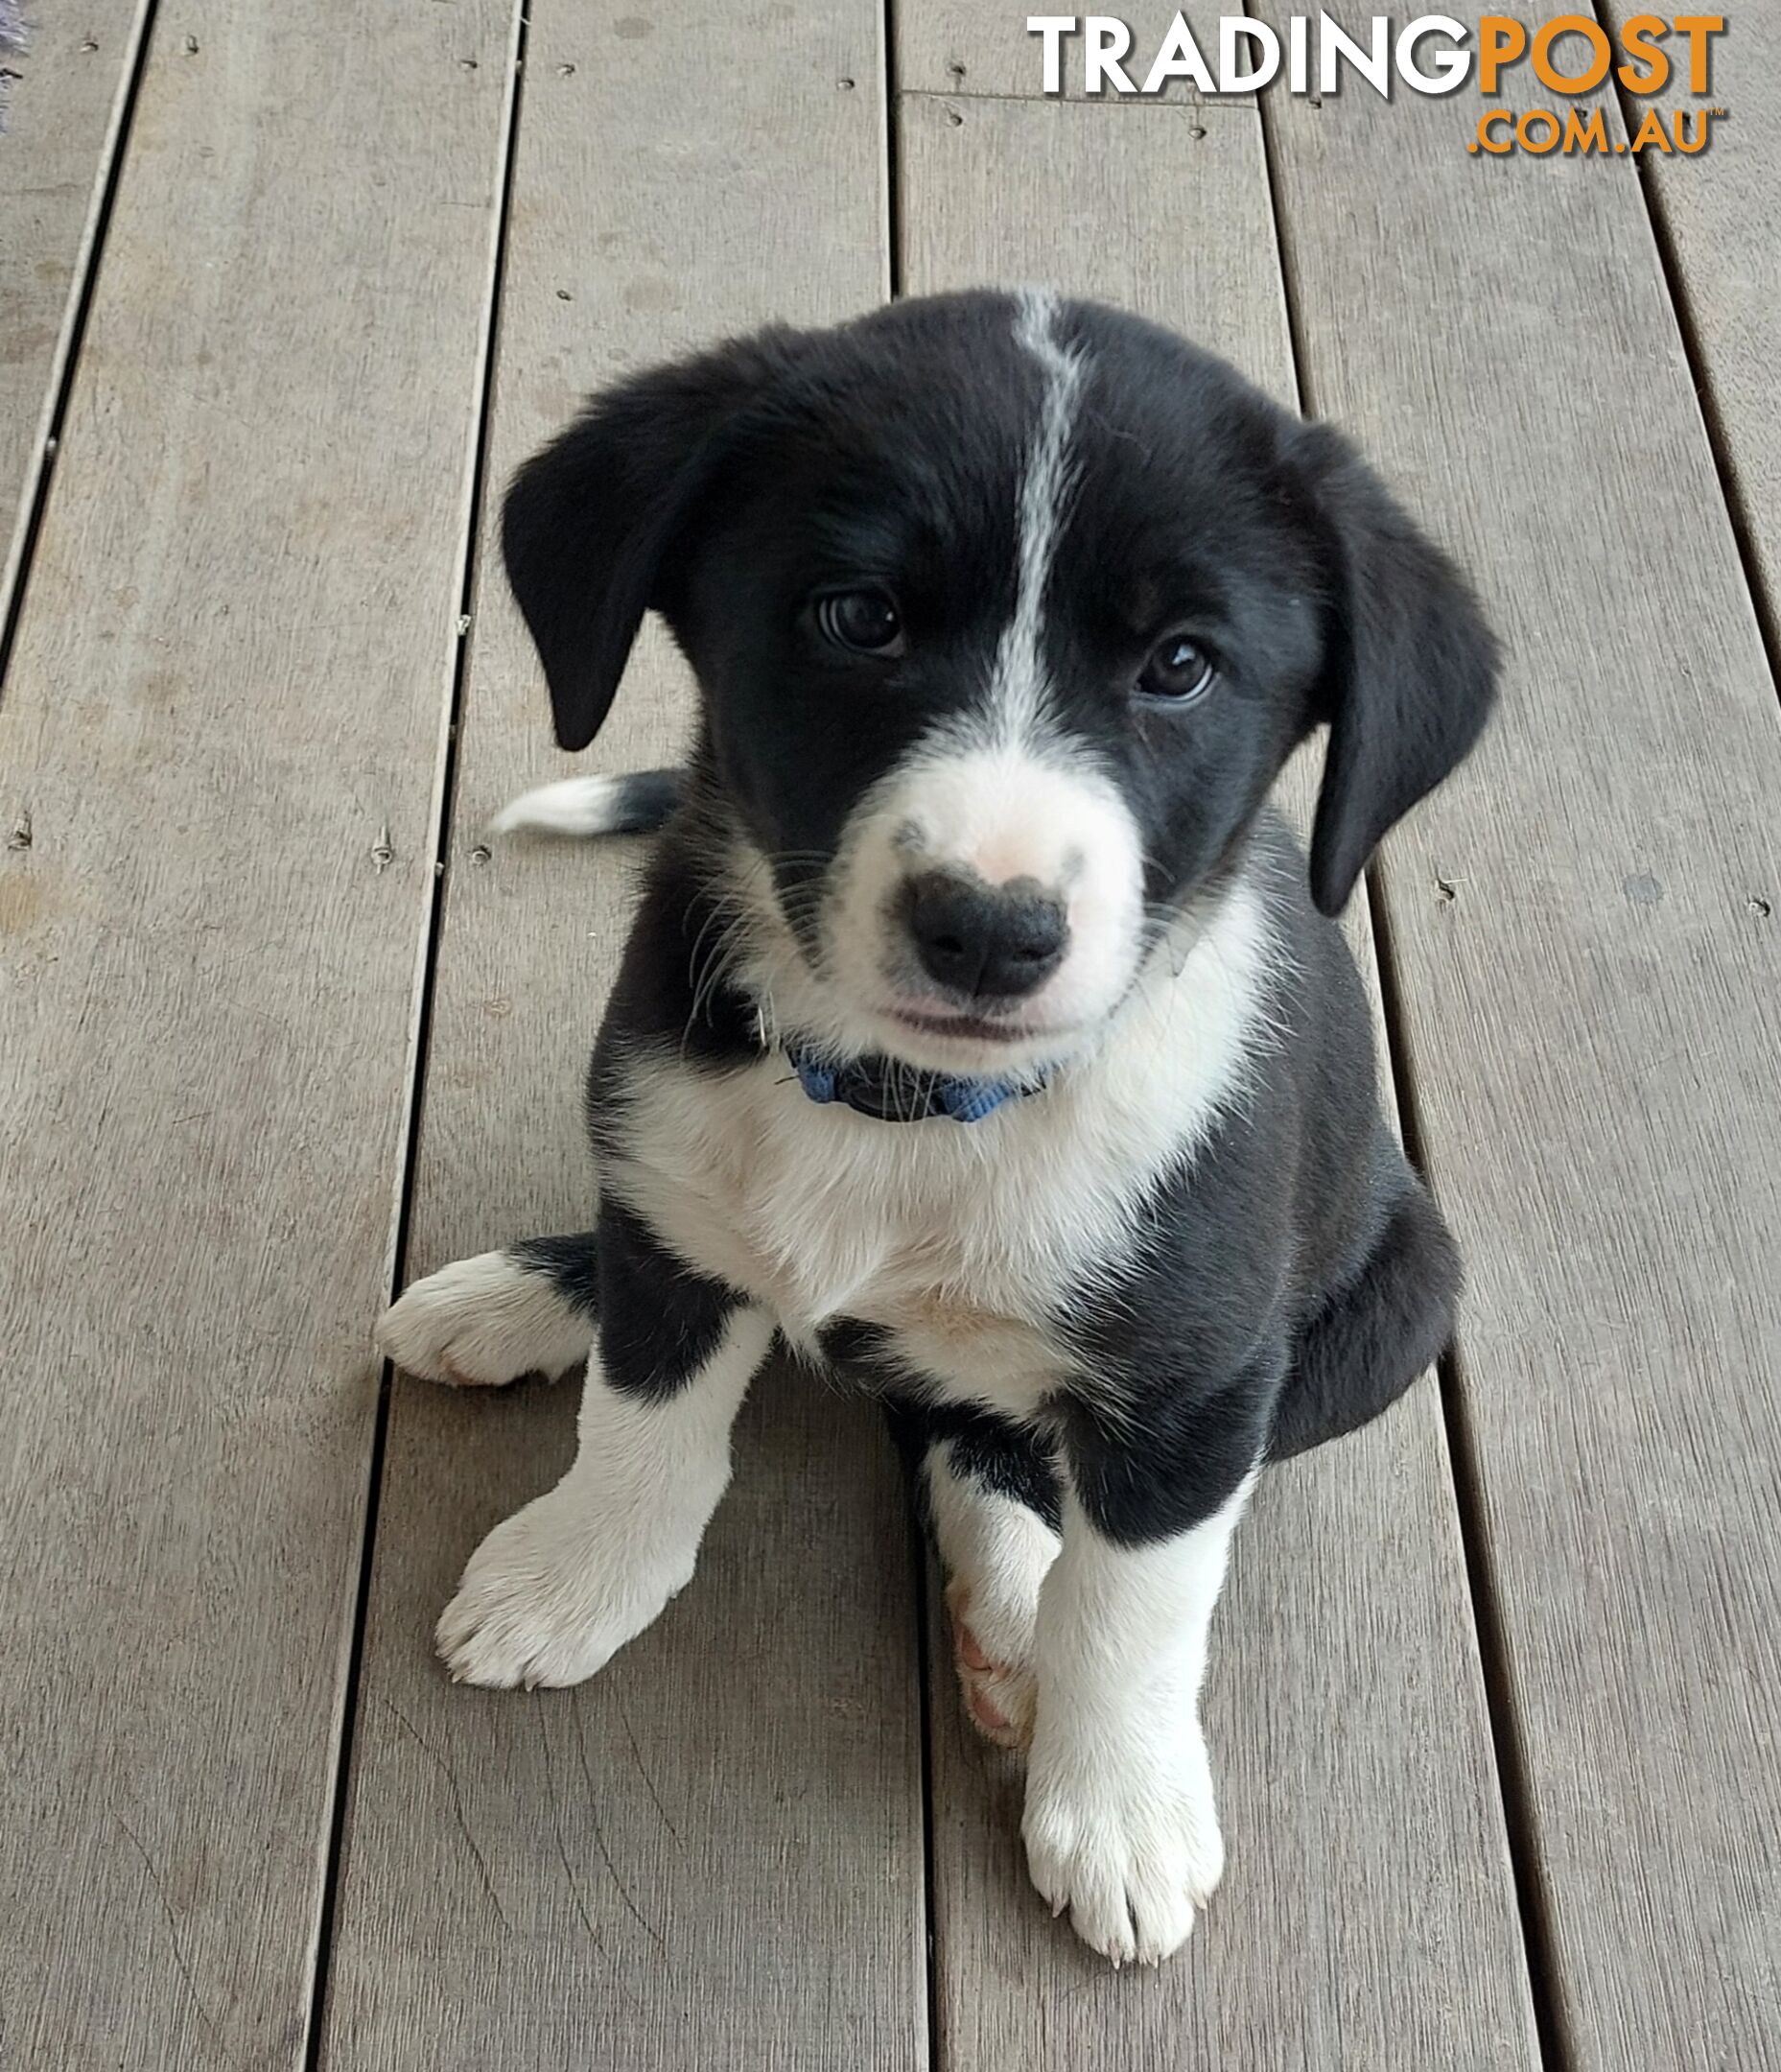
{"points": [[981, 1033]]}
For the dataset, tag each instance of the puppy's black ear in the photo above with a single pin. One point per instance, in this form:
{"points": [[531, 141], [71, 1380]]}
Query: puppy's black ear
{"points": [[1410, 677], [588, 522]]}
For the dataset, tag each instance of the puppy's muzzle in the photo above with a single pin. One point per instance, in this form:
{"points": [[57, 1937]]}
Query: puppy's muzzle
{"points": [[982, 942]]}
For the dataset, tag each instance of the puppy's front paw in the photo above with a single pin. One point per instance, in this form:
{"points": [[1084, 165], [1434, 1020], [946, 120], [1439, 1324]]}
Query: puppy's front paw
{"points": [[484, 1322], [1125, 1836], [548, 1598]]}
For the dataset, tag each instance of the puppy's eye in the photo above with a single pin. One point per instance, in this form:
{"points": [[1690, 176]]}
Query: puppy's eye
{"points": [[863, 622], [1177, 670]]}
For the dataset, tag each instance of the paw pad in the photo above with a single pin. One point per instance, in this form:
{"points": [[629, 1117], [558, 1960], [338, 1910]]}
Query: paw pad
{"points": [[1000, 1697]]}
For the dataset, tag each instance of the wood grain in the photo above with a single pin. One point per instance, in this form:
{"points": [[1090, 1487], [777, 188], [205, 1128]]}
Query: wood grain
{"points": [[61, 132], [1590, 965], [980, 47], [1346, 1710], [712, 1853], [1719, 213], [221, 729]]}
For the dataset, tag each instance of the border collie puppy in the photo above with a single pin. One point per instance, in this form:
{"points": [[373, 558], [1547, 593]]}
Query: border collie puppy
{"points": [[982, 1034]]}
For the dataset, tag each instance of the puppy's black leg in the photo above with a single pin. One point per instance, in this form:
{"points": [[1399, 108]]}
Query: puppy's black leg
{"points": [[483, 1322], [1357, 1355], [555, 1591], [990, 1494], [1121, 1822]]}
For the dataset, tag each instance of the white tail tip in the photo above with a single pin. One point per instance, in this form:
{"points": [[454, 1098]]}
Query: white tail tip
{"points": [[574, 806]]}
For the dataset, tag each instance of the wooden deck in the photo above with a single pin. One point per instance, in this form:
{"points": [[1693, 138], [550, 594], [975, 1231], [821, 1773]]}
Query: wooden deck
{"points": [[285, 292]]}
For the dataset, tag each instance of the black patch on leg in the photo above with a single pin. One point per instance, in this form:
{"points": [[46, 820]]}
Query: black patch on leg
{"points": [[1169, 1469], [570, 1262], [659, 1321], [1007, 1459]]}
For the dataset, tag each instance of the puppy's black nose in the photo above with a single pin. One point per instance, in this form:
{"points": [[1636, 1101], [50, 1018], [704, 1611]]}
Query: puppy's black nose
{"points": [[990, 941]]}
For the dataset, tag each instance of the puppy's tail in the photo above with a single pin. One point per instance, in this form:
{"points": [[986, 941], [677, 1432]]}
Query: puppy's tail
{"points": [[636, 804]]}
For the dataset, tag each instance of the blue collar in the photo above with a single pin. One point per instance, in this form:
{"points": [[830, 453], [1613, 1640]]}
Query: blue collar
{"points": [[891, 1093]]}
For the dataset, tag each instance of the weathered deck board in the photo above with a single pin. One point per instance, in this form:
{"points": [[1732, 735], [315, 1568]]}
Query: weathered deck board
{"points": [[711, 1854], [944, 47], [227, 686], [1590, 968], [1718, 211], [56, 153], [1357, 1798]]}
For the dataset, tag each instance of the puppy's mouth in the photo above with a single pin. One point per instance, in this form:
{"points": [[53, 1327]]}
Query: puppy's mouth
{"points": [[943, 1038], [966, 1027]]}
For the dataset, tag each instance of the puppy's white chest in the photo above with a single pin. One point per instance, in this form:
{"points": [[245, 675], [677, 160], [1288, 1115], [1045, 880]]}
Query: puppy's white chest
{"points": [[956, 1244], [965, 1243]]}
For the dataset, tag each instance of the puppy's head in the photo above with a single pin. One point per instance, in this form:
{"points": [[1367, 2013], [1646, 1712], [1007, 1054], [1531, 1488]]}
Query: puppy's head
{"points": [[1006, 612]]}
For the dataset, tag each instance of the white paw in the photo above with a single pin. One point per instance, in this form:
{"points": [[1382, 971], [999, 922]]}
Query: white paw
{"points": [[993, 1654], [483, 1322], [549, 1598], [997, 1552], [1125, 1836]]}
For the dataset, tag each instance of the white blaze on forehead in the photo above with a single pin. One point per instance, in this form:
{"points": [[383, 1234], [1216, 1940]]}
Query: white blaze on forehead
{"points": [[996, 793], [1018, 689]]}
